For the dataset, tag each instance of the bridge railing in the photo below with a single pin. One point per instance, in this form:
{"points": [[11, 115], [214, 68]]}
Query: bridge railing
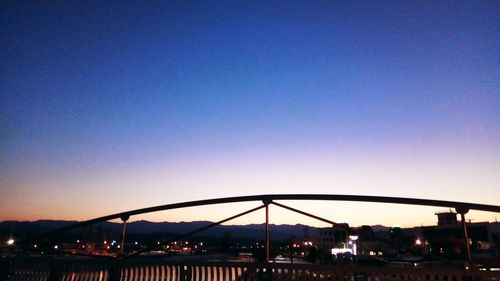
{"points": [[64, 269]]}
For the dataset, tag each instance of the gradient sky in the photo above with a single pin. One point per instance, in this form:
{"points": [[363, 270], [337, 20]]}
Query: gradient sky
{"points": [[111, 106]]}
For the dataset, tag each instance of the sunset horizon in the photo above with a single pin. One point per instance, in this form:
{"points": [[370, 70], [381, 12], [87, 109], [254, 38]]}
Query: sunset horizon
{"points": [[109, 107]]}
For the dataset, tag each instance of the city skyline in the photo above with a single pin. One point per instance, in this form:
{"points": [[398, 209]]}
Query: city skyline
{"points": [[108, 107]]}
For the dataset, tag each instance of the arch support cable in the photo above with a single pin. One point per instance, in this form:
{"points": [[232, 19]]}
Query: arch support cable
{"points": [[185, 235]]}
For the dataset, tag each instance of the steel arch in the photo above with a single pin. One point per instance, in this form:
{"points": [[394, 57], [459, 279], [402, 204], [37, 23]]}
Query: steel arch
{"points": [[459, 206]]}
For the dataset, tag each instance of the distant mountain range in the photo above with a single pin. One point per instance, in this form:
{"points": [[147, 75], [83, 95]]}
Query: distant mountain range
{"points": [[254, 231], [251, 231]]}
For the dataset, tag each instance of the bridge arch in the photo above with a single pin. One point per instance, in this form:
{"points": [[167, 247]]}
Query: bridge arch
{"points": [[460, 207]]}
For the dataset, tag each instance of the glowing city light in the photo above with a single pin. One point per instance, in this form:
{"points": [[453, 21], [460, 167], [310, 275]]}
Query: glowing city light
{"points": [[10, 242], [341, 250]]}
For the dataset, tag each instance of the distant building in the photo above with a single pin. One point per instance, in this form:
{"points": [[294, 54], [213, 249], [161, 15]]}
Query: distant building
{"points": [[447, 218], [334, 237], [447, 238], [369, 245]]}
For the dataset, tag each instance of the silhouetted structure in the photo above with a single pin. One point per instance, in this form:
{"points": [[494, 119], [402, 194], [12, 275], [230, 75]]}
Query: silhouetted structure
{"points": [[447, 238], [447, 218], [334, 237]]}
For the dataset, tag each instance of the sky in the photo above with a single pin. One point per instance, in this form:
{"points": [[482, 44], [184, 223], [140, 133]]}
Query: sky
{"points": [[111, 106]]}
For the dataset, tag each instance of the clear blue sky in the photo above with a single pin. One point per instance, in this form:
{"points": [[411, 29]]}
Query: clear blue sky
{"points": [[121, 105]]}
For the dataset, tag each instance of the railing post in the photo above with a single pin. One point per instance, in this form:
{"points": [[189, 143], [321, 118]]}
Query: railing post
{"points": [[5, 269], [265, 273], [114, 271], [55, 270], [124, 225], [182, 273], [462, 212]]}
